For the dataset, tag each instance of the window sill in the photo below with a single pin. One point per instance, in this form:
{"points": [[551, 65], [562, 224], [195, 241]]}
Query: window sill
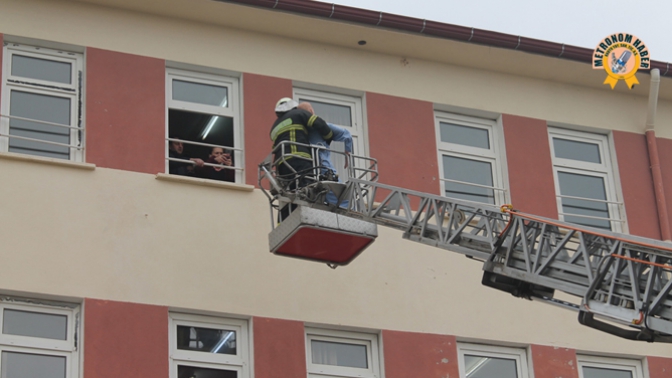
{"points": [[46, 160], [204, 182]]}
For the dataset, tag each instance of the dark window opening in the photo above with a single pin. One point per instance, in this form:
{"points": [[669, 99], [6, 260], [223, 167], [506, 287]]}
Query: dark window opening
{"points": [[205, 131], [199, 372], [207, 340]]}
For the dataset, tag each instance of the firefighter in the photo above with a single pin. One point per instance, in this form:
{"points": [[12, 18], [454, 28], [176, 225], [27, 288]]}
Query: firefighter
{"points": [[294, 124]]}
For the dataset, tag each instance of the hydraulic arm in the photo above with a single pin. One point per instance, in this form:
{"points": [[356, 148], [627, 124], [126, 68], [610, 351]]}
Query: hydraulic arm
{"points": [[620, 278]]}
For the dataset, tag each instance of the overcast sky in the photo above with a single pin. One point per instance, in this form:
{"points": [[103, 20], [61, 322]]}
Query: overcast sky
{"points": [[582, 23]]}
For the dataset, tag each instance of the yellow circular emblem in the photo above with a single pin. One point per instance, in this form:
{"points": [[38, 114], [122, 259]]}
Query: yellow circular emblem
{"points": [[621, 63], [620, 55]]}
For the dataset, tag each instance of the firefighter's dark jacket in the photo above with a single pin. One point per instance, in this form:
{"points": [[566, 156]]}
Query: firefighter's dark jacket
{"points": [[294, 126]]}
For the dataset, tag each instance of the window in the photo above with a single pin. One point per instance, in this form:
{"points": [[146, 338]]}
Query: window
{"points": [[203, 126], [38, 340], [205, 346], [341, 110], [481, 361], [341, 354], [598, 367], [469, 159], [41, 107], [583, 179]]}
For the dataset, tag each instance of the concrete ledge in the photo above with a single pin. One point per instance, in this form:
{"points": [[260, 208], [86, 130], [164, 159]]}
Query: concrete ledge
{"points": [[46, 160], [204, 182]]}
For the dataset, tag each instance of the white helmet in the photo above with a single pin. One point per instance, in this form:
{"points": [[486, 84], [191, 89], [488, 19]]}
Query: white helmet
{"points": [[285, 104]]}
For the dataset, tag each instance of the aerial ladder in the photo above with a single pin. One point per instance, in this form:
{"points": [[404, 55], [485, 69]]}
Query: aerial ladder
{"points": [[619, 284]]}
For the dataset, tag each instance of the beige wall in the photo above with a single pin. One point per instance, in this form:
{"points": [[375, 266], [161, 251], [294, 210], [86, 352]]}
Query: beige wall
{"points": [[556, 90], [125, 236]]}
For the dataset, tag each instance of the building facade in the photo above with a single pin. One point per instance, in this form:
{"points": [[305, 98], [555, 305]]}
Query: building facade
{"points": [[111, 265]]}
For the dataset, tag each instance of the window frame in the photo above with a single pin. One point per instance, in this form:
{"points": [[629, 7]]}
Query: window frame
{"points": [[604, 170], [494, 155], [520, 355], [67, 348], [369, 340], [632, 365], [233, 110], [239, 362], [73, 92], [358, 130]]}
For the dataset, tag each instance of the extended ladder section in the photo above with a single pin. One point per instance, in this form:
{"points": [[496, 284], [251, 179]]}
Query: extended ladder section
{"points": [[620, 284]]}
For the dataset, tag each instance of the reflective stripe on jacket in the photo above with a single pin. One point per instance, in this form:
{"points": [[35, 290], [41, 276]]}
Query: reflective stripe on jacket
{"points": [[294, 126]]}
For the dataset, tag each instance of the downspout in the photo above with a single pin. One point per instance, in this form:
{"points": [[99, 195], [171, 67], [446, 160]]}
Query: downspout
{"points": [[659, 190]]}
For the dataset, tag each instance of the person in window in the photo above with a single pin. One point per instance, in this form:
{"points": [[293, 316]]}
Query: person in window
{"points": [[327, 170], [182, 168], [220, 156], [294, 125]]}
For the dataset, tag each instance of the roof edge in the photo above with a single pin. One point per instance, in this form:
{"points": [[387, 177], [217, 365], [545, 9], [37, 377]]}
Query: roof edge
{"points": [[434, 29]]}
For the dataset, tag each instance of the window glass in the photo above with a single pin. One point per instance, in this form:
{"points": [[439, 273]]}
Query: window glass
{"points": [[24, 365], [489, 361], [38, 340], [34, 324], [200, 128], [203, 135], [184, 371], [595, 372], [344, 111], [208, 347], [41, 108], [602, 367], [585, 186], [333, 113], [41, 69], [469, 158], [338, 354], [42, 103], [206, 340], [489, 367], [470, 171], [571, 149], [200, 93], [465, 135], [582, 169]]}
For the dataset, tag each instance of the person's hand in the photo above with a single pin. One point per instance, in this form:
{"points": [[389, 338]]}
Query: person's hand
{"points": [[198, 162], [347, 159], [224, 159]]}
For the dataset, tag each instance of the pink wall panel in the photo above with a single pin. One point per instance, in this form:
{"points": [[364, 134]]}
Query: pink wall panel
{"points": [[665, 156], [528, 156], [419, 355], [659, 367], [260, 95], [402, 137], [125, 339], [637, 184], [279, 348], [553, 362], [125, 111]]}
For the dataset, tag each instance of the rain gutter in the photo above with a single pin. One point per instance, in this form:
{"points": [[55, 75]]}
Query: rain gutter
{"points": [[434, 29]]}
